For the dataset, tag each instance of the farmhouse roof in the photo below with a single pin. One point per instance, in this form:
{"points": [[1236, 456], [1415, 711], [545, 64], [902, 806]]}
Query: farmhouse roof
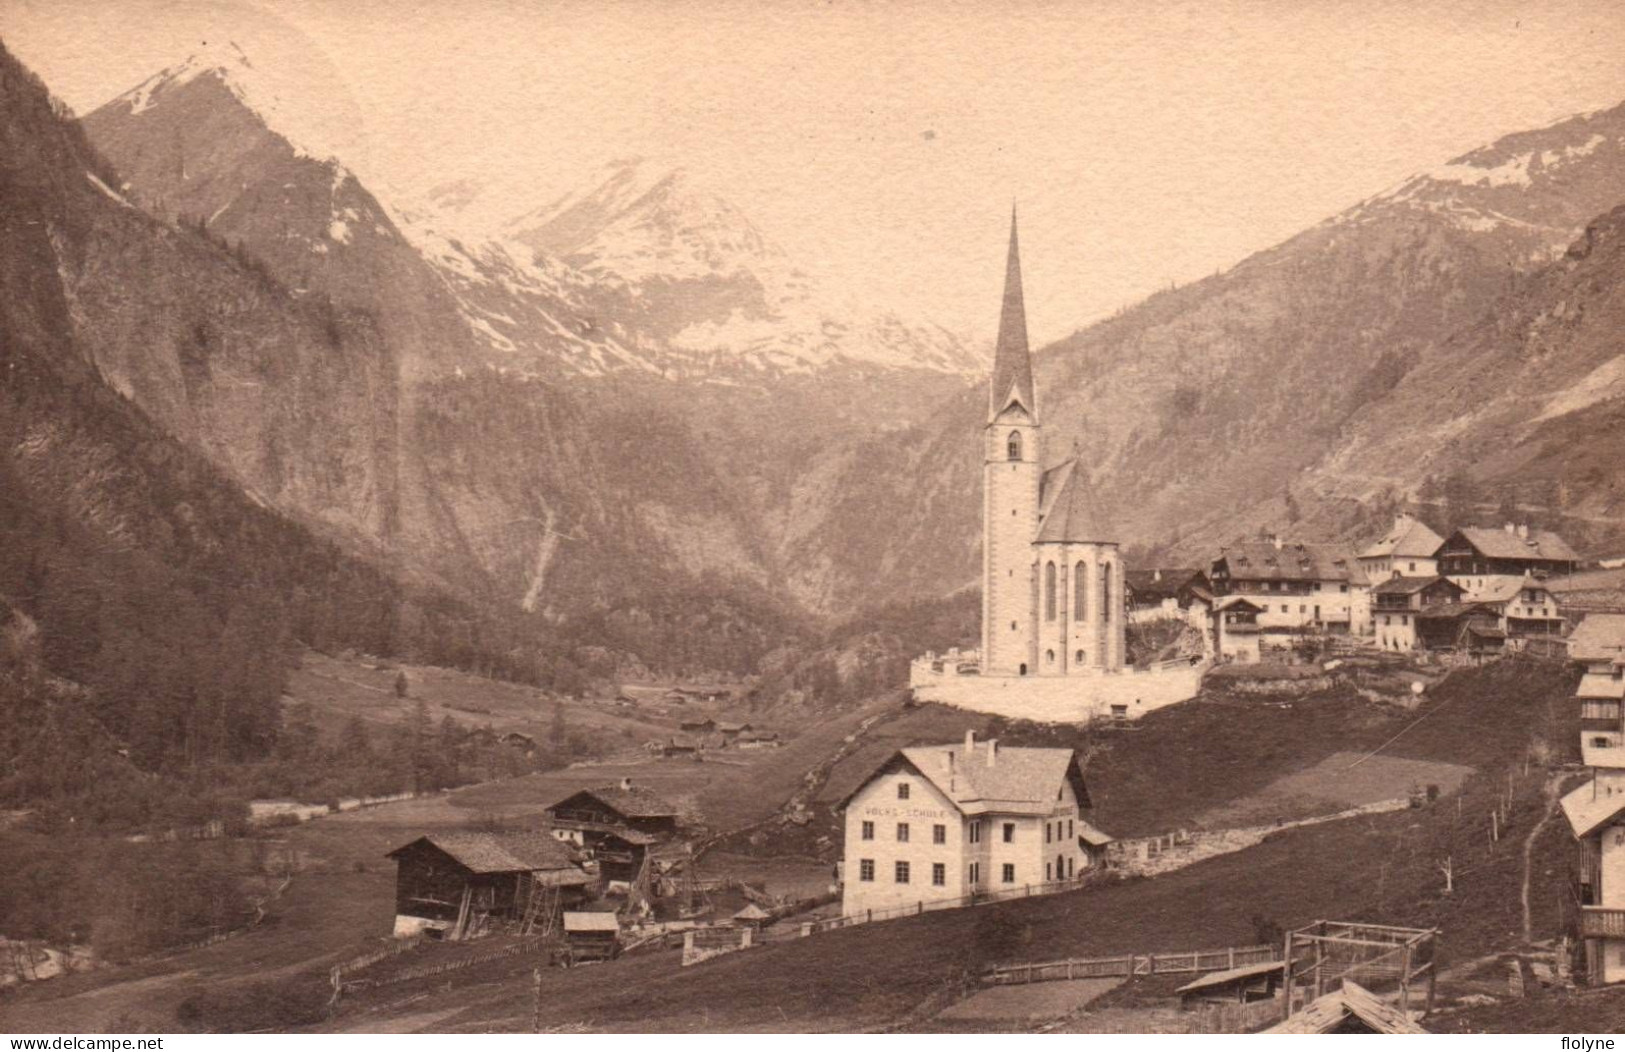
{"points": [[1232, 602], [1600, 637], [1329, 1012], [1159, 584], [1231, 975], [1592, 806], [1290, 561], [1067, 511], [1412, 585], [590, 921], [1600, 685], [500, 852], [1408, 537], [730, 727], [752, 912], [1612, 756], [632, 802], [1509, 544], [1501, 589], [1093, 837], [1019, 780]]}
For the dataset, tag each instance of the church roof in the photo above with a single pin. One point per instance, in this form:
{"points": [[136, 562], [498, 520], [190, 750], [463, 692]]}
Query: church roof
{"points": [[1066, 508], [1012, 363]]}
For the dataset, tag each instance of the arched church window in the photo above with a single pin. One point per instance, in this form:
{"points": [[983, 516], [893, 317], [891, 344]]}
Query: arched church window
{"points": [[1080, 592], [1013, 446], [1049, 657], [1106, 592], [1023, 668], [1079, 658], [1049, 591]]}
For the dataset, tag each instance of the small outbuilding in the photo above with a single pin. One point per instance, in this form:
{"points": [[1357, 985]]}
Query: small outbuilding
{"points": [[1350, 1010], [1253, 982], [591, 936], [461, 884]]}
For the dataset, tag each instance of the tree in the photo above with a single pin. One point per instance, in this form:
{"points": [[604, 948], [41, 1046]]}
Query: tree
{"points": [[557, 732]]}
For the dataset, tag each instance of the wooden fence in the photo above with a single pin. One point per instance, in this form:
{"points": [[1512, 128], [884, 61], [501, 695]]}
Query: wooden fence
{"points": [[1195, 961], [513, 949]]}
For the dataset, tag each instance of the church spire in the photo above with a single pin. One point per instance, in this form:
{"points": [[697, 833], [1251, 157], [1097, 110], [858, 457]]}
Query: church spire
{"points": [[1012, 364]]}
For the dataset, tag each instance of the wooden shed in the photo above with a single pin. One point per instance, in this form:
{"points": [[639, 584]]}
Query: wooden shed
{"points": [[1352, 1009], [591, 936], [461, 884], [1253, 982]]}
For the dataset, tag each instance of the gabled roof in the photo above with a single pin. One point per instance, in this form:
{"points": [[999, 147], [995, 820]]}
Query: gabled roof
{"points": [[1012, 362], [590, 921], [1092, 836], [1290, 561], [634, 802], [752, 912], [1233, 602], [1501, 588], [1066, 508], [1020, 781], [1600, 637], [1507, 544], [1412, 585], [1592, 806], [1408, 538], [1161, 584], [1598, 685], [1329, 1012], [500, 852]]}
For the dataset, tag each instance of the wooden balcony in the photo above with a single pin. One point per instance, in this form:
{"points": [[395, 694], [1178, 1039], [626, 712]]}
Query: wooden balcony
{"points": [[1602, 922], [1592, 709]]}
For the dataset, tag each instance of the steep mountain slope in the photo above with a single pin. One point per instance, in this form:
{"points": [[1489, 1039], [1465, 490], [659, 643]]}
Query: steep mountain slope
{"points": [[1303, 370]]}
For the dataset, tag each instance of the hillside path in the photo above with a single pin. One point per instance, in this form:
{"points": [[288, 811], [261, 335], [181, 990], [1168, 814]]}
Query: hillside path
{"points": [[1550, 791]]}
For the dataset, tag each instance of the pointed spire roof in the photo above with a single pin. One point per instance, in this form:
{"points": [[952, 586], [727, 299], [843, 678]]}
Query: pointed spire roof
{"points": [[1012, 364]]}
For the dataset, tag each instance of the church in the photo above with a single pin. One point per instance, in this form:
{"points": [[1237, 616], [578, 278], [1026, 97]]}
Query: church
{"points": [[1052, 576]]}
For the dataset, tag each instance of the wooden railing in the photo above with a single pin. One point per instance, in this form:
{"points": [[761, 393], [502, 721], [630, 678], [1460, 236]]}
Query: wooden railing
{"points": [[1194, 961], [1602, 922], [1593, 709]]}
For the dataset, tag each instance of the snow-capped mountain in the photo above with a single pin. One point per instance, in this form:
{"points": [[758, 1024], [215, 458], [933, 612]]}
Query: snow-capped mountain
{"points": [[699, 290], [1526, 194], [220, 143]]}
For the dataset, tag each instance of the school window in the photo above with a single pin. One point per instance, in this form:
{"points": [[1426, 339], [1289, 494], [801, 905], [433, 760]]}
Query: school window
{"points": [[902, 872], [976, 832], [902, 790], [902, 832], [868, 830], [866, 869], [1048, 875], [1047, 834], [1286, 608], [1069, 862], [1009, 873], [975, 872], [1009, 832], [939, 874], [1069, 829], [939, 834]]}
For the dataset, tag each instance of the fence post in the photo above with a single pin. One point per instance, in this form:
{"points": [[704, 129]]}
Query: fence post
{"points": [[1232, 957]]}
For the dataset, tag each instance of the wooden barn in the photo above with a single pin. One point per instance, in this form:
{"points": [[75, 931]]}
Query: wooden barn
{"points": [[459, 885], [614, 808]]}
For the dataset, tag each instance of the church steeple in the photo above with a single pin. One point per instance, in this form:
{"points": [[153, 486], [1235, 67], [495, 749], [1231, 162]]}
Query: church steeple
{"points": [[1012, 364]]}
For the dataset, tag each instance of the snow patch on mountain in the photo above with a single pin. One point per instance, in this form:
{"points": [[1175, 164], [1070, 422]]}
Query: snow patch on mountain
{"points": [[281, 105]]}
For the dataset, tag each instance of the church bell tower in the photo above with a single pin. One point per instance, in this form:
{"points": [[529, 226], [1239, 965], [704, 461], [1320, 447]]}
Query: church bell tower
{"points": [[1012, 455]]}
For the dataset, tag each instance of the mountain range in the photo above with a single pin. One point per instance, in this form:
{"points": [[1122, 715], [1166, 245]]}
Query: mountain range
{"points": [[627, 412]]}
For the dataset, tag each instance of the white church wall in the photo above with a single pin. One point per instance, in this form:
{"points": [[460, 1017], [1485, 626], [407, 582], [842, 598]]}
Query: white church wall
{"points": [[1058, 699]]}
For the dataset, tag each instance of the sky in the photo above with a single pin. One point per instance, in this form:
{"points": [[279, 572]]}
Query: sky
{"points": [[883, 143]]}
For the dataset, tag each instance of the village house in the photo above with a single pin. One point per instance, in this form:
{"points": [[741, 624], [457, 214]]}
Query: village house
{"points": [[1598, 645], [1297, 587], [731, 730], [1596, 810], [1599, 591], [1398, 605], [1484, 559], [697, 725], [1409, 549], [461, 884], [754, 739], [582, 816], [1525, 607], [947, 822], [1235, 629], [1168, 595]]}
